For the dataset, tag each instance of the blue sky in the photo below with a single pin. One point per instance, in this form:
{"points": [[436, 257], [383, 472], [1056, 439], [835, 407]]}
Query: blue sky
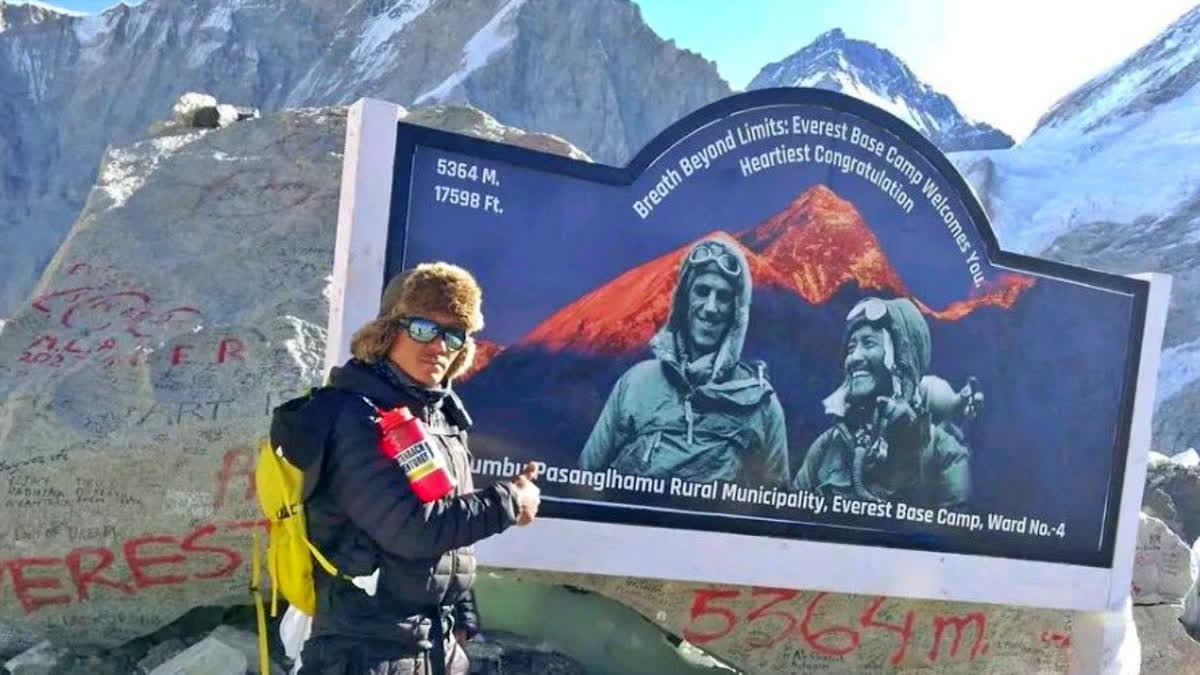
{"points": [[1002, 62]]}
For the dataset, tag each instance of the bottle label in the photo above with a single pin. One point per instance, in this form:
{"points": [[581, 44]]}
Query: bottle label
{"points": [[417, 460]]}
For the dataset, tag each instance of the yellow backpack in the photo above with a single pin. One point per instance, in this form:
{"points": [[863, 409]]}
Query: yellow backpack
{"points": [[282, 492], [290, 554]]}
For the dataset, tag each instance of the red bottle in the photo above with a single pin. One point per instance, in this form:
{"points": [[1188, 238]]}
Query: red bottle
{"points": [[404, 441]]}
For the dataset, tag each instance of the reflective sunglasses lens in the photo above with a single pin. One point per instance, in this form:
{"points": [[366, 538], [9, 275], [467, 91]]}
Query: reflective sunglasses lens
{"points": [[454, 339], [422, 330]]}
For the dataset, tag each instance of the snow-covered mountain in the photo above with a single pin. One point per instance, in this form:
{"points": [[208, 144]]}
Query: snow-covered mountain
{"points": [[22, 14], [865, 71], [1110, 179], [586, 70]]}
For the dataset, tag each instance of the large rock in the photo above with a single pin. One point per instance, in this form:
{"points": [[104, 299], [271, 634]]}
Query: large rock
{"points": [[136, 382], [1166, 646], [1191, 603], [1163, 568], [209, 656], [1172, 494]]}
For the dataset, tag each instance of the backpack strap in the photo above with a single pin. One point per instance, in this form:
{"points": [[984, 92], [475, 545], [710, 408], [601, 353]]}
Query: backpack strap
{"points": [[328, 566]]}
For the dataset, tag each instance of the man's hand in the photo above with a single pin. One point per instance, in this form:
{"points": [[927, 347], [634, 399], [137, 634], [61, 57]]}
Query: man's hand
{"points": [[529, 495]]}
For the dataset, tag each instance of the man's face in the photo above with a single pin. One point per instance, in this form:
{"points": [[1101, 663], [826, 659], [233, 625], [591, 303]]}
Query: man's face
{"points": [[428, 362], [710, 310], [866, 374]]}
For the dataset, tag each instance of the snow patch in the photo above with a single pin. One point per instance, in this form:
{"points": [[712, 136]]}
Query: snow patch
{"points": [[49, 7], [221, 19], [493, 37], [1137, 168], [89, 28], [125, 171], [306, 348], [199, 53], [1188, 457], [380, 30]]}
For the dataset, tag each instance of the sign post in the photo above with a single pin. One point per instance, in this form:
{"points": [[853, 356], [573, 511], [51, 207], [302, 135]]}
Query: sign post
{"points": [[782, 347]]}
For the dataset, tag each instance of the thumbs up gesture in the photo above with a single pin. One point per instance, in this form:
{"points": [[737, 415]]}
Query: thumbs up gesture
{"points": [[529, 495]]}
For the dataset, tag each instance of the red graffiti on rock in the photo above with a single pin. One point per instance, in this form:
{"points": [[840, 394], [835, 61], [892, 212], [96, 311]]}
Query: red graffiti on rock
{"points": [[125, 569], [777, 615], [104, 317]]}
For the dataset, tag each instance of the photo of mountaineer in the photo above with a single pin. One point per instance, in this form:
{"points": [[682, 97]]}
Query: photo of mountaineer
{"points": [[896, 432], [696, 411]]}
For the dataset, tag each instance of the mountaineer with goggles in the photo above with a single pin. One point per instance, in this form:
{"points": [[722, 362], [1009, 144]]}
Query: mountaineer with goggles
{"points": [[697, 411], [892, 435]]}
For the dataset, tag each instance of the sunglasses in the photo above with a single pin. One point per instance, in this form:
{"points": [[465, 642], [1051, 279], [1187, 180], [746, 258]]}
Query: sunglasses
{"points": [[873, 308], [715, 252], [425, 331]]}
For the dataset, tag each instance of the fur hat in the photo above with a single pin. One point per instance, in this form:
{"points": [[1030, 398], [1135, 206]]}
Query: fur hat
{"points": [[428, 288]]}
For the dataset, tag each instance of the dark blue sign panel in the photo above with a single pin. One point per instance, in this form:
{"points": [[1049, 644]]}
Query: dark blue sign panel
{"points": [[788, 316]]}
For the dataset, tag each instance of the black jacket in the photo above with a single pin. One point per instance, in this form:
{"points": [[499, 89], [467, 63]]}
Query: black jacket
{"points": [[363, 515]]}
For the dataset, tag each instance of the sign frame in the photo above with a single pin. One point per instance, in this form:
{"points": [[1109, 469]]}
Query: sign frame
{"points": [[375, 171]]}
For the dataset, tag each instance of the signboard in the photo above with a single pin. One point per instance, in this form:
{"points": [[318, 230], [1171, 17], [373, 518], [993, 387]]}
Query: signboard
{"points": [[781, 347]]}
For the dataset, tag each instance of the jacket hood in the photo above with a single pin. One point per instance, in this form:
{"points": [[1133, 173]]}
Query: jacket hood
{"points": [[671, 342], [910, 344]]}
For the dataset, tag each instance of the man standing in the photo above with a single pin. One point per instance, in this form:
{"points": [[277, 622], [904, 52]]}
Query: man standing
{"points": [[884, 443], [412, 561], [697, 411]]}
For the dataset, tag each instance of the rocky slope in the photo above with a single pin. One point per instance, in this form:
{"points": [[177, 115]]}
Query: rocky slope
{"points": [[20, 15]]}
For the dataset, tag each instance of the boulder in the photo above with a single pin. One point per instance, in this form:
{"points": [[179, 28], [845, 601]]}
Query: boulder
{"points": [[1190, 618], [1173, 494], [501, 653], [209, 656], [1166, 646], [1163, 568], [42, 659]]}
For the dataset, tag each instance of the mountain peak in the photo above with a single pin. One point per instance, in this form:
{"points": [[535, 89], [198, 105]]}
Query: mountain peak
{"points": [[815, 245], [29, 13], [811, 249], [1156, 75], [868, 72], [831, 35]]}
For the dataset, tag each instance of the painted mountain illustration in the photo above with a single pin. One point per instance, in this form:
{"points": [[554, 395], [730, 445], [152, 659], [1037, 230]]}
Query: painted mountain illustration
{"points": [[812, 248]]}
